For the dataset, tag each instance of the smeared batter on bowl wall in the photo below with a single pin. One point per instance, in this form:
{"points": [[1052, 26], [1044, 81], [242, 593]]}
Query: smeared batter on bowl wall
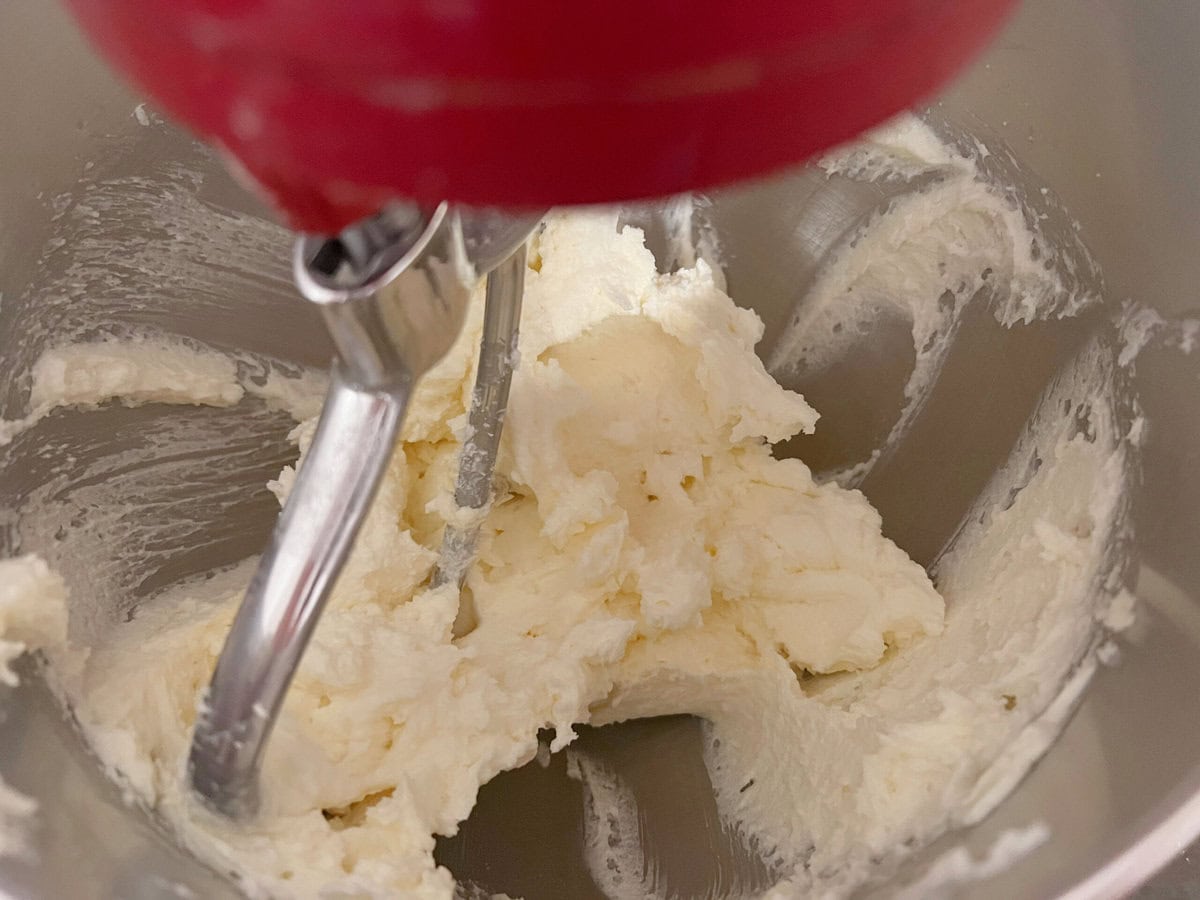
{"points": [[646, 555]]}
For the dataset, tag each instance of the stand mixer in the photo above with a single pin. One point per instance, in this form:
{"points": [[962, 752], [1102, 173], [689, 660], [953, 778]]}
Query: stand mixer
{"points": [[389, 132]]}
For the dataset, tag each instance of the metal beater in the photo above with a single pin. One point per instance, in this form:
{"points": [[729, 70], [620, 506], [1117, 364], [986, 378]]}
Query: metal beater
{"points": [[393, 290]]}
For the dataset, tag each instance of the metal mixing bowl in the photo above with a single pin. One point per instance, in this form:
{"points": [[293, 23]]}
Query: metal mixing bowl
{"points": [[111, 220]]}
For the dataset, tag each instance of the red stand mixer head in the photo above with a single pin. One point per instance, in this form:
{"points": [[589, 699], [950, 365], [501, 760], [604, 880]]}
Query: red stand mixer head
{"points": [[335, 108]]}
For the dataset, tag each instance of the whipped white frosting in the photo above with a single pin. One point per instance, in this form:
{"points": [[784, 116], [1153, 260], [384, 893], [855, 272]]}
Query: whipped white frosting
{"points": [[646, 555]]}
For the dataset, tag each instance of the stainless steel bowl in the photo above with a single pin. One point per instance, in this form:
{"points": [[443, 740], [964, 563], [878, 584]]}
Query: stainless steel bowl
{"points": [[111, 221]]}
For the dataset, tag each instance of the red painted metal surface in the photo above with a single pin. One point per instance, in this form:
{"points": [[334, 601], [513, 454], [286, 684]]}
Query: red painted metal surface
{"points": [[335, 107]]}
